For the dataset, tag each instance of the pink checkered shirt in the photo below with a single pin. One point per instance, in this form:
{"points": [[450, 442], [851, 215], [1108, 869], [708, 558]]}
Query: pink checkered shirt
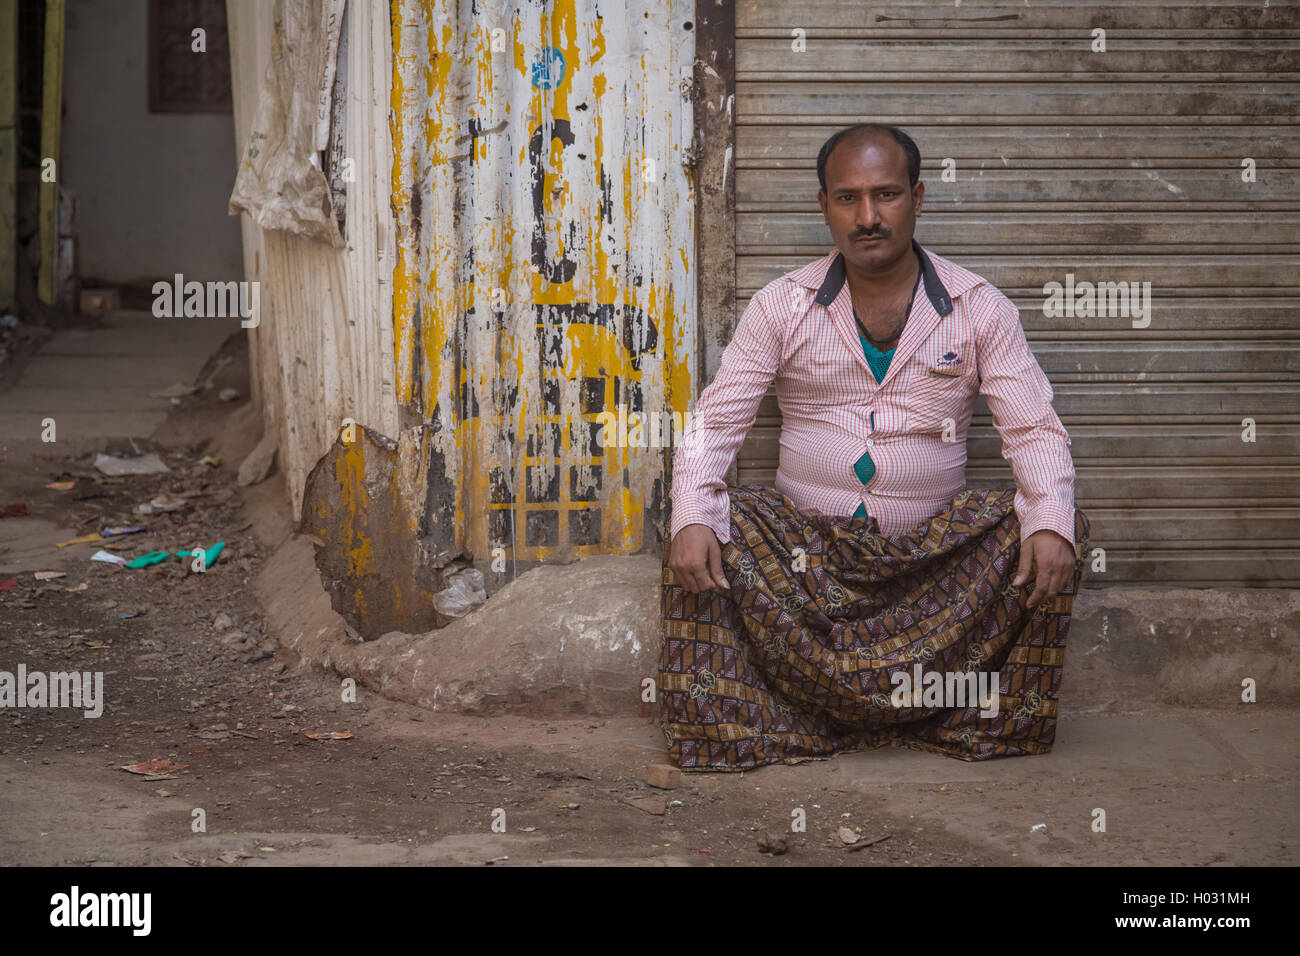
{"points": [[963, 337]]}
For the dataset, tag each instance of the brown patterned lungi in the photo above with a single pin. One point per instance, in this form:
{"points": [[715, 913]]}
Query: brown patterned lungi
{"points": [[795, 661]]}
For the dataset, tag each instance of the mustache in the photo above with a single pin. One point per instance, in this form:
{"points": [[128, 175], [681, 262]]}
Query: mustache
{"points": [[882, 234]]}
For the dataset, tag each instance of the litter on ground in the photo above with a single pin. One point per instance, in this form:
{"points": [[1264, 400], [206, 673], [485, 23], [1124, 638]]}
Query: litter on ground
{"points": [[149, 464]]}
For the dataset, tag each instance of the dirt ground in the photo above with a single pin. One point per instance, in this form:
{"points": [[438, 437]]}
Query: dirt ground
{"points": [[193, 676]]}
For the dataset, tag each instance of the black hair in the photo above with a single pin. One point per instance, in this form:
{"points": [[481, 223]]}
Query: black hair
{"points": [[903, 140]]}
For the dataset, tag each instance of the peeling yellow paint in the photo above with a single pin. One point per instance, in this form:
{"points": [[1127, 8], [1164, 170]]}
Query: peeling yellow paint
{"points": [[522, 316], [350, 472]]}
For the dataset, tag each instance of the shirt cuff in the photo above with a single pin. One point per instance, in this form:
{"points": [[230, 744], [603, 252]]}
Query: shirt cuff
{"points": [[1050, 517], [714, 515]]}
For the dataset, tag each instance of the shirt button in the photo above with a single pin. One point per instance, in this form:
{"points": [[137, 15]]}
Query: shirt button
{"points": [[871, 443]]}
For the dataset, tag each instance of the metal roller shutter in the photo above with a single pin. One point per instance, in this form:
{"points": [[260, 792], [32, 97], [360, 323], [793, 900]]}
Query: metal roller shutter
{"points": [[1123, 165]]}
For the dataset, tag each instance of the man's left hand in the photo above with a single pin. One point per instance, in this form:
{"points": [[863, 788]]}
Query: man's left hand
{"points": [[1055, 559]]}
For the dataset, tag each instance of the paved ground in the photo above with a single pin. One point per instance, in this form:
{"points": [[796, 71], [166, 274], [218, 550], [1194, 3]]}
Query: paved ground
{"points": [[193, 674], [95, 381], [1175, 792]]}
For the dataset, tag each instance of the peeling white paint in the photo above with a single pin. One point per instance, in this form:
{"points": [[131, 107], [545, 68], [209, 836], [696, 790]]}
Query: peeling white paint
{"points": [[554, 253]]}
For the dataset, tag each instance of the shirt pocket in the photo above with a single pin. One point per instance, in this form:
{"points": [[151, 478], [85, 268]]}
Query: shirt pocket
{"points": [[933, 398]]}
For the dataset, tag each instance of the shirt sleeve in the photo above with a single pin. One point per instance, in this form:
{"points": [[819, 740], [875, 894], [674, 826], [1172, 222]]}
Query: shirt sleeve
{"points": [[1033, 439], [725, 412]]}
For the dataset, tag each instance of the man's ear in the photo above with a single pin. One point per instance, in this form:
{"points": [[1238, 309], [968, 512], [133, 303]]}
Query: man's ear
{"points": [[821, 201]]}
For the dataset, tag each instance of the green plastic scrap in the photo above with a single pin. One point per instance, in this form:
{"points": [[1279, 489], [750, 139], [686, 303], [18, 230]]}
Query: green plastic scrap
{"points": [[209, 556], [153, 557]]}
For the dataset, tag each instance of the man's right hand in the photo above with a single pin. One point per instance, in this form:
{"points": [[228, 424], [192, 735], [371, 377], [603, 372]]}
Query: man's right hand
{"points": [[696, 559]]}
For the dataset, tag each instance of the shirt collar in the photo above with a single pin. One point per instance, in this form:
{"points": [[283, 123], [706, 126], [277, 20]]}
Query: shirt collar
{"points": [[934, 287]]}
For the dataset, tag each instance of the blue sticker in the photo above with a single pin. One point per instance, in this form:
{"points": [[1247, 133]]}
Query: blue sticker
{"points": [[548, 69]]}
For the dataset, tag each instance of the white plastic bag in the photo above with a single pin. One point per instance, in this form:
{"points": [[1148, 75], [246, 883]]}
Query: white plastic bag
{"points": [[463, 593], [280, 183]]}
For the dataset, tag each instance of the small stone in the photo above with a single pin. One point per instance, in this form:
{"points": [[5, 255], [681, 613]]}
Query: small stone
{"points": [[651, 805], [770, 843], [222, 622], [847, 836], [257, 466], [663, 776]]}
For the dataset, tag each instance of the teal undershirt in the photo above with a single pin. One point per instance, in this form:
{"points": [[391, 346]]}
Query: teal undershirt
{"points": [[879, 361]]}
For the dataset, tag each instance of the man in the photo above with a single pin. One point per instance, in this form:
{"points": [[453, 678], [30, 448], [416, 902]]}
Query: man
{"points": [[878, 351]]}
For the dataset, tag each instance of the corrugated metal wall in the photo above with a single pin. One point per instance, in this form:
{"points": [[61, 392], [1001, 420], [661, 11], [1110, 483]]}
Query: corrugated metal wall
{"points": [[545, 273], [1123, 165], [323, 349]]}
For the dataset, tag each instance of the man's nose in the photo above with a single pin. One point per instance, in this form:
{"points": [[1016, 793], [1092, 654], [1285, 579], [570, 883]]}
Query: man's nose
{"points": [[868, 218]]}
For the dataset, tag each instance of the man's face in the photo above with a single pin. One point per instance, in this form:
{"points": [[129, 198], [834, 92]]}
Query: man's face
{"points": [[868, 204]]}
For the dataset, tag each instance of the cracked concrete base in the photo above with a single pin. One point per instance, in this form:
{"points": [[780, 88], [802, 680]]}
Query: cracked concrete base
{"points": [[561, 640]]}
